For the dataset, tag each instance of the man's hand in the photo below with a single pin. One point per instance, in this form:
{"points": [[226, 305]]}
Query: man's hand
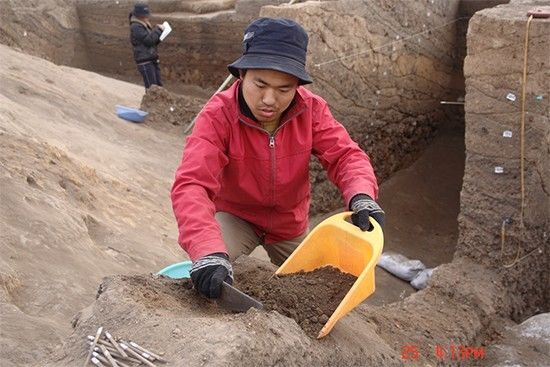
{"points": [[208, 273], [363, 207], [161, 27]]}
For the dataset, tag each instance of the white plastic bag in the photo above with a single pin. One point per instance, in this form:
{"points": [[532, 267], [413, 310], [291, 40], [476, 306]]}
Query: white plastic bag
{"points": [[400, 266], [421, 279]]}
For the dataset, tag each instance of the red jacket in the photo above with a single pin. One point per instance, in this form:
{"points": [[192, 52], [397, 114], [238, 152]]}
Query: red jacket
{"points": [[231, 164]]}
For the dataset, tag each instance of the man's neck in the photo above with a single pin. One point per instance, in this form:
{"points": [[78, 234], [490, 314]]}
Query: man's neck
{"points": [[270, 126]]}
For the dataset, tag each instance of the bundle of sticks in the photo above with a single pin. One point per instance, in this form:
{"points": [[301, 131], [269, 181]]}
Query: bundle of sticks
{"points": [[106, 351]]}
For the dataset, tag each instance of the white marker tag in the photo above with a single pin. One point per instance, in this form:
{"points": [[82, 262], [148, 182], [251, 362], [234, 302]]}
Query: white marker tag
{"points": [[499, 169], [511, 97], [507, 134]]}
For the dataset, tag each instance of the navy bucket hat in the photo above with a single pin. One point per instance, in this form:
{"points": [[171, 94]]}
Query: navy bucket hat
{"points": [[141, 10], [276, 44]]}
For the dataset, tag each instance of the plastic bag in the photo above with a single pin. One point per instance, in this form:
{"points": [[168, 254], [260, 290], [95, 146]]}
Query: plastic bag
{"points": [[421, 279], [400, 266]]}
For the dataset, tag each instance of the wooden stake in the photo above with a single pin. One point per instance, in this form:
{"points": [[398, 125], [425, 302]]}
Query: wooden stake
{"points": [[141, 349], [97, 362], [108, 355], [115, 344], [97, 336], [135, 354], [115, 354]]}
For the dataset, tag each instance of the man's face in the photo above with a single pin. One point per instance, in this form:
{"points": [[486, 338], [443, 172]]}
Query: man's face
{"points": [[268, 93]]}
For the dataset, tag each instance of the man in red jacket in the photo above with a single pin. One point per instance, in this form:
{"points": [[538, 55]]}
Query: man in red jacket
{"points": [[244, 179]]}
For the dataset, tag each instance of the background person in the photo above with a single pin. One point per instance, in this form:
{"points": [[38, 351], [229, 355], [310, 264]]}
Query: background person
{"points": [[145, 39]]}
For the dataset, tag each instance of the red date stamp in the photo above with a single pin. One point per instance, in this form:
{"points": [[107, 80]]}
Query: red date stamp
{"points": [[445, 353]]}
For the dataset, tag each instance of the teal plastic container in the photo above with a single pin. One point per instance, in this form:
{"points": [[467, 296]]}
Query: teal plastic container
{"points": [[177, 270]]}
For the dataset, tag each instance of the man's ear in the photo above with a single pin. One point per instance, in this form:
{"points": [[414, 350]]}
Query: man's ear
{"points": [[242, 73]]}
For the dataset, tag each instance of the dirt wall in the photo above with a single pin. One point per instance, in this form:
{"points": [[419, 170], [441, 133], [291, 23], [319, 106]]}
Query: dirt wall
{"points": [[206, 36], [491, 196], [48, 29], [466, 9], [383, 67]]}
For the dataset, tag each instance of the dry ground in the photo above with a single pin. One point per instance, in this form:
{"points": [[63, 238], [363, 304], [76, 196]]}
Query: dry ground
{"points": [[85, 195]]}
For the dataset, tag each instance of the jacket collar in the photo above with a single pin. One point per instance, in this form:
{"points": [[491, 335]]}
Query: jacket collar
{"points": [[134, 19]]}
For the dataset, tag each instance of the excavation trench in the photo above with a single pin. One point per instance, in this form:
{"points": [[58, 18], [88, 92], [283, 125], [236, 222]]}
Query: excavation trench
{"points": [[444, 199]]}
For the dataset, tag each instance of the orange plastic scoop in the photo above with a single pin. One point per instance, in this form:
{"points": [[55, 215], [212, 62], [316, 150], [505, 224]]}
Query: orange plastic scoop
{"points": [[338, 243]]}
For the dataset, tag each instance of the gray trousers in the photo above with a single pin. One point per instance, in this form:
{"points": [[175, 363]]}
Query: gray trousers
{"points": [[240, 239]]}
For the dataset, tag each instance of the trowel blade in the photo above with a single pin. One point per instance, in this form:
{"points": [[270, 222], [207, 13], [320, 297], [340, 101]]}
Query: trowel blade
{"points": [[234, 300]]}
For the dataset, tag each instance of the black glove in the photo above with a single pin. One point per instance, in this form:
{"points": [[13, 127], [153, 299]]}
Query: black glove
{"points": [[363, 207], [208, 273]]}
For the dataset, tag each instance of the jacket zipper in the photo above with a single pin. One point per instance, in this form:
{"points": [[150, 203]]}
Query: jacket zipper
{"points": [[273, 156], [271, 145], [273, 165]]}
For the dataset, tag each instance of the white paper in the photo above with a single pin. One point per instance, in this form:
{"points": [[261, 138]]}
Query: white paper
{"points": [[507, 134], [511, 97], [166, 31]]}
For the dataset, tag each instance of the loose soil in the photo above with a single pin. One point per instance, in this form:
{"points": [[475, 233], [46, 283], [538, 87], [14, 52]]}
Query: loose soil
{"points": [[308, 298], [168, 316]]}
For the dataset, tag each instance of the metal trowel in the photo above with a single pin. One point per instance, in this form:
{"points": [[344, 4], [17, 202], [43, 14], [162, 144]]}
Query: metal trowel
{"points": [[233, 299]]}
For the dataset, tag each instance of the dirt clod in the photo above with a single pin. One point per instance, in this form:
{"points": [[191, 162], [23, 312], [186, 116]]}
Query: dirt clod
{"points": [[167, 110]]}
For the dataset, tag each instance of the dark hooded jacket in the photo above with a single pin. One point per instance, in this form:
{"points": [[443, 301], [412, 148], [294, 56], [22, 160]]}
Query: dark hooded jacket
{"points": [[144, 39]]}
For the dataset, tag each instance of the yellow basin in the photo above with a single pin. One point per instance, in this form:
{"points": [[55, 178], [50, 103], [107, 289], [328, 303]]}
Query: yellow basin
{"points": [[338, 243]]}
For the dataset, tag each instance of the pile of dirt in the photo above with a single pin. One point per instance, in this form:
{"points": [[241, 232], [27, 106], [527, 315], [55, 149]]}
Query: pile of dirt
{"points": [[308, 298], [462, 307], [168, 316], [169, 111], [160, 293]]}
